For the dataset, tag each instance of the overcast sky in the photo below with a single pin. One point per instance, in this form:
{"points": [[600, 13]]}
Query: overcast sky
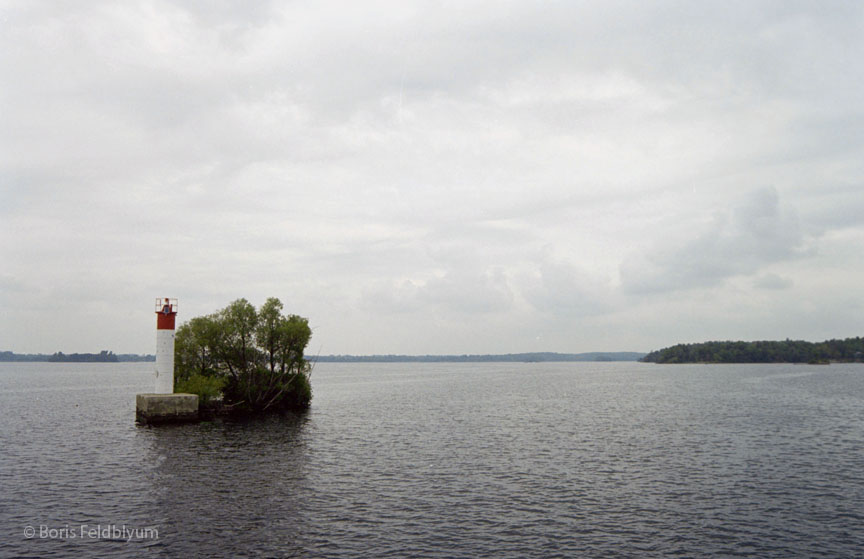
{"points": [[434, 177]]}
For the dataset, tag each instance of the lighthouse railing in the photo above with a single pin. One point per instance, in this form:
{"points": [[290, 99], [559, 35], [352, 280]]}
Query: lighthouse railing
{"points": [[171, 301]]}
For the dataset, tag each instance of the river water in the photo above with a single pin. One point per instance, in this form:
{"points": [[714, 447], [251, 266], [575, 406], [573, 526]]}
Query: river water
{"points": [[444, 460]]}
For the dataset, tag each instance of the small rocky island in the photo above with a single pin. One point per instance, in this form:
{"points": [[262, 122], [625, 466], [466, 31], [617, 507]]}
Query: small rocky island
{"points": [[237, 361]]}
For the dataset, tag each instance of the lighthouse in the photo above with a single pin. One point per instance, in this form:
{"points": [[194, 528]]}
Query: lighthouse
{"points": [[166, 311], [163, 405]]}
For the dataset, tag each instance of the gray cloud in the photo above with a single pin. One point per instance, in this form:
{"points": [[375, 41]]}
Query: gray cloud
{"points": [[772, 281], [737, 241], [397, 161], [562, 289], [472, 292]]}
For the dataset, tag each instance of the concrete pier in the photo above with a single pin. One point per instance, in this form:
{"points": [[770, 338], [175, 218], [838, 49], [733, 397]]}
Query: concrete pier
{"points": [[166, 408]]}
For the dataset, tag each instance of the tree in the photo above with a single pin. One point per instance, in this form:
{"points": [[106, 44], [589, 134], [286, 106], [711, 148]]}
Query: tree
{"points": [[194, 345], [255, 357]]}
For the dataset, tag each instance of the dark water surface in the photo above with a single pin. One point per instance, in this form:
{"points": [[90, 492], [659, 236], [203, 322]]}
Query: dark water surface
{"points": [[444, 460]]}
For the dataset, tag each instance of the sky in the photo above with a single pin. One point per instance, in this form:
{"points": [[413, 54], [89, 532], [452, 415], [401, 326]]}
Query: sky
{"points": [[433, 177]]}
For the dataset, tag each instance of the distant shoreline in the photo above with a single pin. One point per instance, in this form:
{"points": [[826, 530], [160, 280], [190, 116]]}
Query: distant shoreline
{"points": [[536, 357], [531, 357], [849, 350], [60, 357]]}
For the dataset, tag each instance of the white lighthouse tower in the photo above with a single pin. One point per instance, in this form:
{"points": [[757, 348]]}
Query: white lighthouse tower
{"points": [[163, 405], [166, 311]]}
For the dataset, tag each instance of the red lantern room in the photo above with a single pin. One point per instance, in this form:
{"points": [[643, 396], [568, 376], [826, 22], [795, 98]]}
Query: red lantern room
{"points": [[166, 311]]}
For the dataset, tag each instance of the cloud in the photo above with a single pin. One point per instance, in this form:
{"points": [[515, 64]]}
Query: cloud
{"points": [[738, 241], [378, 165], [477, 291], [459, 291], [563, 289], [772, 281]]}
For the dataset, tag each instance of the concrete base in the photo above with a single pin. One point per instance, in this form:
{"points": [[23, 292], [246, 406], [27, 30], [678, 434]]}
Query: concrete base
{"points": [[166, 408]]}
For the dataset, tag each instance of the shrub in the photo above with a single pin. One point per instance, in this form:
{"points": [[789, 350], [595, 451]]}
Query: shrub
{"points": [[207, 388], [257, 357]]}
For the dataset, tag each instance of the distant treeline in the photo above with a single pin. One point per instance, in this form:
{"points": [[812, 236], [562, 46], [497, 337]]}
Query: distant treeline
{"points": [[508, 358], [788, 351], [60, 357], [101, 357]]}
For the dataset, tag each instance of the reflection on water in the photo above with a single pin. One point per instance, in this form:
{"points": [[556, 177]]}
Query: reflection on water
{"points": [[447, 460], [234, 482]]}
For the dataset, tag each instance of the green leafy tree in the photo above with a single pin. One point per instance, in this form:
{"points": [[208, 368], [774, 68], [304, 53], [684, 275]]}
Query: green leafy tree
{"points": [[194, 347], [255, 357]]}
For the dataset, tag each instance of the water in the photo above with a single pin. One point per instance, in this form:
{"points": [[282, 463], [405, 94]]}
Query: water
{"points": [[444, 460]]}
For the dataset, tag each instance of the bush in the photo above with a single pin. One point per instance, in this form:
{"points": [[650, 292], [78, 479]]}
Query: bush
{"points": [[207, 388], [256, 357]]}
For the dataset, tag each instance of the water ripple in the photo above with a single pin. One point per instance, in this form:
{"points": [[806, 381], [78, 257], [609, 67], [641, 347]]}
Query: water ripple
{"points": [[515, 460]]}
